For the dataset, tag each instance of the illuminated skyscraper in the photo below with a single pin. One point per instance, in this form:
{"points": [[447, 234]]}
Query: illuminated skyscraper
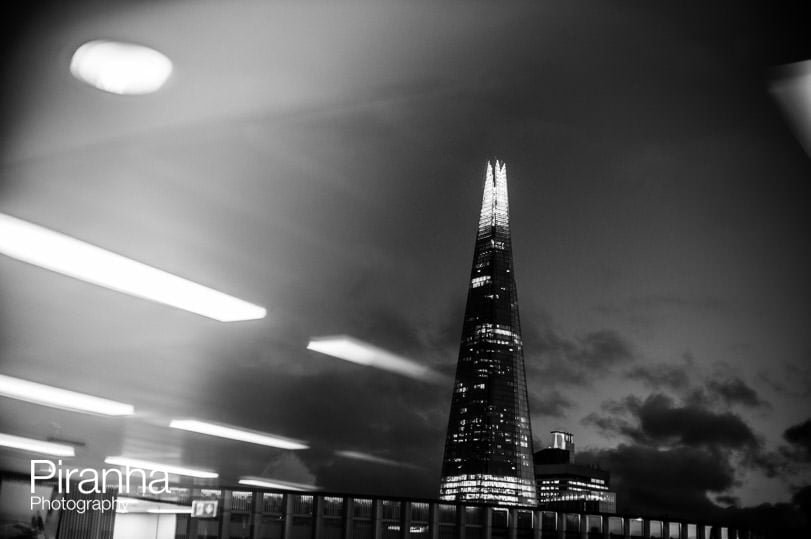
{"points": [[488, 449]]}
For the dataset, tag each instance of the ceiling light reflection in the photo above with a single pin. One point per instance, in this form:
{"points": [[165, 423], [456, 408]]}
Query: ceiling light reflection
{"points": [[36, 446], [356, 351], [158, 467], [55, 397], [357, 455], [275, 483], [60, 253], [232, 433], [120, 68], [178, 511]]}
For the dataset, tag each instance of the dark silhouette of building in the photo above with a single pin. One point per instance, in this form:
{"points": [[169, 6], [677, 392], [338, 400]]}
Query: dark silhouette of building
{"points": [[564, 485], [488, 449]]}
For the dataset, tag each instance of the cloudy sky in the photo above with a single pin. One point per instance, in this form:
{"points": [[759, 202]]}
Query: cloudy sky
{"points": [[327, 162]]}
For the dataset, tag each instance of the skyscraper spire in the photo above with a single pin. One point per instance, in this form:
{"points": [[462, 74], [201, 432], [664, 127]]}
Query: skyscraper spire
{"points": [[488, 449]]}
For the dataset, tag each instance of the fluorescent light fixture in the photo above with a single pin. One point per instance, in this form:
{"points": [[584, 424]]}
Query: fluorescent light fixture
{"points": [[356, 351], [36, 446], [60, 253], [155, 466], [120, 68], [275, 483], [237, 434], [137, 505], [178, 511], [16, 388], [357, 455]]}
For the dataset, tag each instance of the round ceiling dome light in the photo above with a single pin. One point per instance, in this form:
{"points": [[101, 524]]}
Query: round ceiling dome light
{"points": [[120, 68]]}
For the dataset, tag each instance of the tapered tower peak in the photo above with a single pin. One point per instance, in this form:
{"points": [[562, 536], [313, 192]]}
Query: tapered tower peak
{"points": [[495, 202], [488, 449]]}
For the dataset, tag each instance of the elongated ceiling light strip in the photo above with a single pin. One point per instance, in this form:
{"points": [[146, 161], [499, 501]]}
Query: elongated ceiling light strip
{"points": [[36, 446], [275, 483], [178, 511], [356, 351], [55, 397], [158, 467], [232, 433], [60, 253]]}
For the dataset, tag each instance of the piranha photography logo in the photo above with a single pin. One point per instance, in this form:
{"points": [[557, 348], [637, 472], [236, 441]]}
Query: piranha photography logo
{"points": [[72, 483]]}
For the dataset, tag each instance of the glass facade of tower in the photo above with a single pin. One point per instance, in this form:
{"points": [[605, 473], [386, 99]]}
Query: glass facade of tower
{"points": [[488, 449]]}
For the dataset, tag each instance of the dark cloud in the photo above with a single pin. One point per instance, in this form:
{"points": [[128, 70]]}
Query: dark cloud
{"points": [[610, 426], [549, 403], [556, 360], [673, 481], [799, 436], [660, 420], [661, 375], [724, 392], [728, 500], [734, 391]]}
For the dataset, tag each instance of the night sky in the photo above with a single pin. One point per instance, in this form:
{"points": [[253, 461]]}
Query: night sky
{"points": [[328, 163]]}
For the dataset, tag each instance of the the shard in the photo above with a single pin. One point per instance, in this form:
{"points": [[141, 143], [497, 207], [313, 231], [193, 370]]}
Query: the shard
{"points": [[488, 449]]}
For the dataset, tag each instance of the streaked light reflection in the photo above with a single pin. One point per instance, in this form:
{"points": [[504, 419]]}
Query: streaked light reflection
{"points": [[125, 504], [357, 455], [232, 433], [16, 388], [36, 446], [120, 68], [791, 87], [60, 253], [178, 511], [158, 467], [356, 351], [275, 483]]}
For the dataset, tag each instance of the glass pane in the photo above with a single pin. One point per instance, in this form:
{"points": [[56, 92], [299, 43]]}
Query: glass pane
{"points": [[390, 510], [447, 531], [240, 526], [333, 506], [271, 527], [500, 518], [302, 504], [240, 501], [361, 529], [419, 512], [594, 524], [332, 528], [524, 520], [302, 528], [362, 508], [207, 528], [272, 502], [447, 513], [615, 527], [572, 522]]}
